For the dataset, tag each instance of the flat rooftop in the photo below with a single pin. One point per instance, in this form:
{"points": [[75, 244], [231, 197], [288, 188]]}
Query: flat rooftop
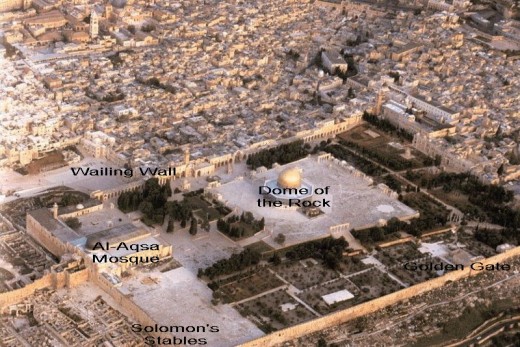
{"points": [[178, 297], [58, 228], [97, 221], [338, 296]]}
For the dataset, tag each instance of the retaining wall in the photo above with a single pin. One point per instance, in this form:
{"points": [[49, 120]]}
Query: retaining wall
{"points": [[371, 306]]}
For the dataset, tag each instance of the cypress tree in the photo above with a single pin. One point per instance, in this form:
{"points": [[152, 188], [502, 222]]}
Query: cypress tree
{"points": [[193, 227]]}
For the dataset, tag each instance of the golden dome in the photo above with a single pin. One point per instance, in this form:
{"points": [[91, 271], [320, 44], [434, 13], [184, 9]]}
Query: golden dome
{"points": [[290, 178]]}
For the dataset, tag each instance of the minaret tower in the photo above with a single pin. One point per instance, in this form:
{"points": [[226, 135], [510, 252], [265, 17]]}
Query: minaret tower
{"points": [[94, 24], [27, 4], [186, 156], [55, 211]]}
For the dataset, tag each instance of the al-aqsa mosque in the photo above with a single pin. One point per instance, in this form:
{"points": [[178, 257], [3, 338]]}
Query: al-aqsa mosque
{"points": [[288, 187]]}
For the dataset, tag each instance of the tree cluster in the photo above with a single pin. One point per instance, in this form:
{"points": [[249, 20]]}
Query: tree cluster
{"points": [[359, 162], [393, 183], [113, 96], [329, 250], [394, 162], [115, 59], [493, 238], [233, 226], [379, 234], [236, 262], [471, 185], [180, 211], [491, 198], [70, 199], [73, 223], [148, 28], [387, 127], [430, 218], [154, 82], [432, 213], [150, 201], [282, 154]]}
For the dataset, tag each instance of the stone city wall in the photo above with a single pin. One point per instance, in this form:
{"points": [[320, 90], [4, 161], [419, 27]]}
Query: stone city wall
{"points": [[437, 232], [76, 278], [15, 296], [346, 315], [52, 280], [395, 242], [135, 312], [39, 233]]}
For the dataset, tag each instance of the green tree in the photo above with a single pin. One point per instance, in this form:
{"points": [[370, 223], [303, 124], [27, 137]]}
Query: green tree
{"points": [[73, 223], [321, 342], [146, 208], [205, 225], [280, 238], [169, 229], [148, 28], [193, 227], [276, 259]]}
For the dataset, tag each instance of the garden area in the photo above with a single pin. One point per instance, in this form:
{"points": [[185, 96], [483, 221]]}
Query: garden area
{"points": [[374, 284], [478, 200], [313, 296], [305, 273], [153, 203], [413, 277], [399, 254], [350, 265], [382, 148], [274, 311], [246, 286], [240, 227]]}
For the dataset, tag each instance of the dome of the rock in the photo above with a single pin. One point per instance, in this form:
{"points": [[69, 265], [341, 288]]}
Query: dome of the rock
{"points": [[290, 178]]}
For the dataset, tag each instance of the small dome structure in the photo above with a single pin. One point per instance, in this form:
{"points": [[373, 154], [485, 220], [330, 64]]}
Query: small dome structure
{"points": [[290, 178], [92, 240]]}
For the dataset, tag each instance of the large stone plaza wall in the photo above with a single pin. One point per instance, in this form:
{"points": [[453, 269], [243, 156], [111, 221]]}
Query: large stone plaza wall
{"points": [[40, 233], [136, 312], [371, 306]]}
